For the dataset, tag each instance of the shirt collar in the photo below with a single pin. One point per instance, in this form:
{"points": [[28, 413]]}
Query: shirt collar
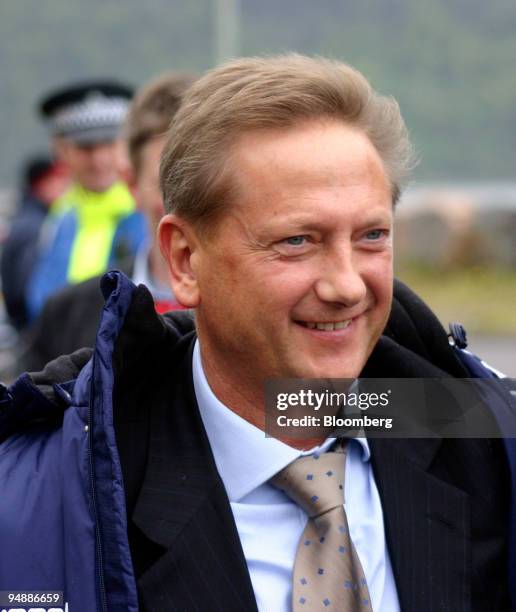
{"points": [[244, 456]]}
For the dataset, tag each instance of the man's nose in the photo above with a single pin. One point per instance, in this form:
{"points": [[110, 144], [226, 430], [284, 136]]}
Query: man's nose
{"points": [[341, 280], [101, 156]]}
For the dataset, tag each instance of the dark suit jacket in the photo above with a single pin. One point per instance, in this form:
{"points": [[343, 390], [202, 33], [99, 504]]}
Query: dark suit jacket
{"points": [[445, 502]]}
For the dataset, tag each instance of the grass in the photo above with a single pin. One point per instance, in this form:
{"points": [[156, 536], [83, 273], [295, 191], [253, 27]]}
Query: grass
{"points": [[483, 299]]}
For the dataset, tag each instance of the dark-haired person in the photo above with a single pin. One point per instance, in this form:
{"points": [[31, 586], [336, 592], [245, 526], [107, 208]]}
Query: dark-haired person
{"points": [[149, 471]]}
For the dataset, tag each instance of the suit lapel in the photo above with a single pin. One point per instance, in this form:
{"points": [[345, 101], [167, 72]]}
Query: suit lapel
{"points": [[427, 524], [184, 508], [427, 520]]}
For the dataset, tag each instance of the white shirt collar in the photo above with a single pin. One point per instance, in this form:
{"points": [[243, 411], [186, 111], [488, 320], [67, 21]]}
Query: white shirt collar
{"points": [[245, 458]]}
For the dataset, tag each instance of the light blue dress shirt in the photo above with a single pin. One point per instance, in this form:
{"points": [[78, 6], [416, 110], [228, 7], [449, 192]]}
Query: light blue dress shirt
{"points": [[269, 524]]}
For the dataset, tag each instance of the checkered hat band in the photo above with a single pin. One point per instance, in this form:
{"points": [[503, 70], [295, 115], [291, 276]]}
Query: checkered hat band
{"points": [[92, 113]]}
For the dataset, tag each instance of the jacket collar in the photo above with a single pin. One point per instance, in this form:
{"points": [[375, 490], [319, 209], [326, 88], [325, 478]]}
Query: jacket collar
{"points": [[183, 506], [425, 517]]}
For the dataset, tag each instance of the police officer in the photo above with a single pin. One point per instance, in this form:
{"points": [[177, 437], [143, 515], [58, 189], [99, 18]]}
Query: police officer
{"points": [[94, 221]]}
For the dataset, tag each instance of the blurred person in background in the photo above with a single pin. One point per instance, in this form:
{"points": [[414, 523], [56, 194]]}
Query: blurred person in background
{"points": [[70, 318], [44, 181], [94, 222]]}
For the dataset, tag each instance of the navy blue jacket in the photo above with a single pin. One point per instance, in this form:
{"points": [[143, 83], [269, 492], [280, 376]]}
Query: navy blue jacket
{"points": [[51, 504]]}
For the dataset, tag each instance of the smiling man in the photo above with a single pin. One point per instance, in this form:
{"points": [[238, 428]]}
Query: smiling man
{"points": [[310, 263], [279, 177]]}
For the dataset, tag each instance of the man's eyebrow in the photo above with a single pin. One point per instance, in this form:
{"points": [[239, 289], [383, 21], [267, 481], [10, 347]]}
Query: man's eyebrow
{"points": [[305, 223], [284, 223]]}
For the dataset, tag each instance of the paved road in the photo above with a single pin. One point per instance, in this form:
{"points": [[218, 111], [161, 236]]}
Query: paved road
{"points": [[498, 352]]}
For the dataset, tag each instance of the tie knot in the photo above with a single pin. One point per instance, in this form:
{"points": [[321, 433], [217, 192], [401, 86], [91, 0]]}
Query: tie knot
{"points": [[316, 482]]}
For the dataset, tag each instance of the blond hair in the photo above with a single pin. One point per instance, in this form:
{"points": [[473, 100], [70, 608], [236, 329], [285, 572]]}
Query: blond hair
{"points": [[152, 110], [270, 92]]}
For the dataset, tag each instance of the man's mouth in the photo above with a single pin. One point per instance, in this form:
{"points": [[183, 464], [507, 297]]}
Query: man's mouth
{"points": [[326, 326]]}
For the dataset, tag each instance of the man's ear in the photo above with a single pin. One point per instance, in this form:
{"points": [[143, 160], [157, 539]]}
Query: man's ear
{"points": [[125, 169], [178, 244], [128, 175]]}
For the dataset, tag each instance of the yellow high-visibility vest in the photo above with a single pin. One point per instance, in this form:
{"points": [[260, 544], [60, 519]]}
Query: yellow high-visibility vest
{"points": [[97, 216]]}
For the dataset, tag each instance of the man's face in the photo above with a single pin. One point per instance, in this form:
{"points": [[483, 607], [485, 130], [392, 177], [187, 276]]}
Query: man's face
{"points": [[94, 166], [297, 280], [146, 183]]}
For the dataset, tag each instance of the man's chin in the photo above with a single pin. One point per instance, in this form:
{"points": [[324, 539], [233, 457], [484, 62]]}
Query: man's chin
{"points": [[329, 371]]}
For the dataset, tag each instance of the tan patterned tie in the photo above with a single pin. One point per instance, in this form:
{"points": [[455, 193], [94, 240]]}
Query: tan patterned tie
{"points": [[327, 571]]}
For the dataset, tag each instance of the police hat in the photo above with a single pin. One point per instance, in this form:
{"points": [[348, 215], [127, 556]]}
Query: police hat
{"points": [[87, 112]]}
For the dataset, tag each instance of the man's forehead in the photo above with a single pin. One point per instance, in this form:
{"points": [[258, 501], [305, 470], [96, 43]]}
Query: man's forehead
{"points": [[283, 163], [253, 150]]}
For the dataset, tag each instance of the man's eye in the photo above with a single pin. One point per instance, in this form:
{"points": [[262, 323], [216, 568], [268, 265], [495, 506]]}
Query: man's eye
{"points": [[296, 240], [375, 234]]}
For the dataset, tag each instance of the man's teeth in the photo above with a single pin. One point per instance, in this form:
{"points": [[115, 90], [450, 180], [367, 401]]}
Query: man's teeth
{"points": [[328, 326]]}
